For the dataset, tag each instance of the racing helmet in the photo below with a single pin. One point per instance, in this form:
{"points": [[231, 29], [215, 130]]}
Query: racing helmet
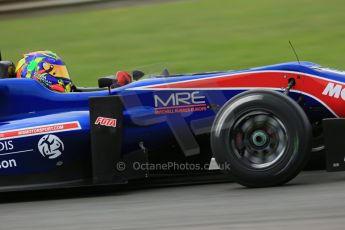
{"points": [[47, 68]]}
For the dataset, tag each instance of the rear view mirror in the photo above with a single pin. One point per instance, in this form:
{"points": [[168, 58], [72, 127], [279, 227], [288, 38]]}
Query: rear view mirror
{"points": [[7, 69], [106, 82], [137, 74]]}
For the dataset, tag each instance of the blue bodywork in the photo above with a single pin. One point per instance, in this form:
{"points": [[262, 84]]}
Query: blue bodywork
{"points": [[26, 104]]}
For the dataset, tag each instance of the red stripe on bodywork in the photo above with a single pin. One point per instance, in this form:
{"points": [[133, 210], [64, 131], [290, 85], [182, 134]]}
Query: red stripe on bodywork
{"points": [[31, 131], [315, 86], [259, 79], [307, 84]]}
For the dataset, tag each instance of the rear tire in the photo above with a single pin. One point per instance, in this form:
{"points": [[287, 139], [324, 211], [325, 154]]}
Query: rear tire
{"points": [[264, 136]]}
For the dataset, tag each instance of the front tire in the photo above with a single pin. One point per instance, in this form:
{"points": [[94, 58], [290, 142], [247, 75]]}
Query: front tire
{"points": [[264, 136]]}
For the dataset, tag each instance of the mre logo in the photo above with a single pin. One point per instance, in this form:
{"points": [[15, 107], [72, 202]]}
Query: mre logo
{"points": [[105, 121], [334, 90], [178, 99], [181, 102]]}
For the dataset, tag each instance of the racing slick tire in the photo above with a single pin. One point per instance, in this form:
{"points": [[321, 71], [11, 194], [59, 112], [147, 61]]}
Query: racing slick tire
{"points": [[262, 138]]}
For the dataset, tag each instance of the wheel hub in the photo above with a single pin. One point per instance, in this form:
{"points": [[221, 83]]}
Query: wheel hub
{"points": [[259, 138]]}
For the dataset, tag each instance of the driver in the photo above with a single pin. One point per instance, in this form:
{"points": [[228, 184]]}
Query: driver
{"points": [[47, 68]]}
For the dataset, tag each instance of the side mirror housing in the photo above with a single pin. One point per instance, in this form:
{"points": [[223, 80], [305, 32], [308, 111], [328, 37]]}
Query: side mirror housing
{"points": [[106, 82], [7, 69], [137, 74]]}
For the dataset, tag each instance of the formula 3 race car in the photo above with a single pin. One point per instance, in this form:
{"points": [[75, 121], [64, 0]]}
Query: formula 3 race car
{"points": [[260, 124]]}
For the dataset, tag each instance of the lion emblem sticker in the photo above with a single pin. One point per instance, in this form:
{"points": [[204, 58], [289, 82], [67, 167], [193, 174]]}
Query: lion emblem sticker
{"points": [[50, 146]]}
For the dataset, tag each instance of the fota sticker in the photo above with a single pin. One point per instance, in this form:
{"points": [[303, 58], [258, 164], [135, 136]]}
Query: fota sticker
{"points": [[105, 121]]}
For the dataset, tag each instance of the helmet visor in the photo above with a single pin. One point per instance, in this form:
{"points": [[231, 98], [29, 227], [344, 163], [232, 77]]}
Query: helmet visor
{"points": [[59, 71]]}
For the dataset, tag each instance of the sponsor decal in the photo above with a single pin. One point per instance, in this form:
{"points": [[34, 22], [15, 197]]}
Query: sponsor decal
{"points": [[105, 121], [50, 146], [4, 164], [334, 90], [38, 130], [6, 146], [180, 102]]}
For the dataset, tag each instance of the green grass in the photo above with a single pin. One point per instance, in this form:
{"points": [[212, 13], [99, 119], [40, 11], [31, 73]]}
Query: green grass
{"points": [[186, 36]]}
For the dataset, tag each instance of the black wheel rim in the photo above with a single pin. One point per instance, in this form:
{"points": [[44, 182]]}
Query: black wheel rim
{"points": [[258, 139]]}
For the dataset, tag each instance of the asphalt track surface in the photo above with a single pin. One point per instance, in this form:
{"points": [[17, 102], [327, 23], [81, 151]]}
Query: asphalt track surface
{"points": [[31, 9], [314, 200]]}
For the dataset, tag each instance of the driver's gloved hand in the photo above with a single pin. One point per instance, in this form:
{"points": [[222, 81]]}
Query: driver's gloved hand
{"points": [[123, 78]]}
